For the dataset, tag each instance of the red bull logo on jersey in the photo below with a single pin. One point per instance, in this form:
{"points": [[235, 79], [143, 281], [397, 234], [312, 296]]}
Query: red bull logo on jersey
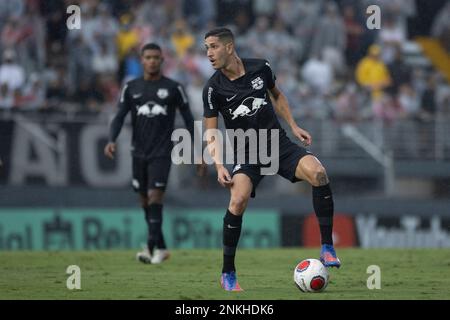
{"points": [[151, 109], [248, 107]]}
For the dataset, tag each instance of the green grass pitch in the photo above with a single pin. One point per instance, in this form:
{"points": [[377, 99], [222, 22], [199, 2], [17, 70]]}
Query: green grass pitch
{"points": [[194, 274]]}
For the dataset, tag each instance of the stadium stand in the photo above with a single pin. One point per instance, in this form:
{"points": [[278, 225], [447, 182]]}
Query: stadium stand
{"points": [[51, 73]]}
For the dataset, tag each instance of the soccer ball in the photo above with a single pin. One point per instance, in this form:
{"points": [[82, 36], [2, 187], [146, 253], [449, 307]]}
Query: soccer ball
{"points": [[310, 275]]}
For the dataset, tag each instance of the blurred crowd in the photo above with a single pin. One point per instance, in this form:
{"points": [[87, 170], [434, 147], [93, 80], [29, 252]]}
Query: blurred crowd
{"points": [[327, 62]]}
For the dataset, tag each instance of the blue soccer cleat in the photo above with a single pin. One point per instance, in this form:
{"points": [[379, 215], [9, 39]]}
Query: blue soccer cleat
{"points": [[229, 282], [328, 256]]}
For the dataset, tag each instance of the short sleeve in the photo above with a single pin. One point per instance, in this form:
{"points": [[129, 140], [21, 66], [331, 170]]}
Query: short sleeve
{"points": [[210, 109], [270, 76]]}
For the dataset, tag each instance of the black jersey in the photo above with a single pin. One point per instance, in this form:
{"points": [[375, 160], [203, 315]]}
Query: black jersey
{"points": [[244, 103], [153, 107]]}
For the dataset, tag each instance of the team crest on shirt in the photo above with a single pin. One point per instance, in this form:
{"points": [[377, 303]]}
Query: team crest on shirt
{"points": [[258, 83], [162, 93], [248, 107]]}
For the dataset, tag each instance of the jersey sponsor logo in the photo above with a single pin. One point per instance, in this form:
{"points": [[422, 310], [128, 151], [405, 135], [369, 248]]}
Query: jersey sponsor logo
{"points": [[162, 93], [210, 90], [151, 109], [258, 83], [248, 107], [229, 99]]}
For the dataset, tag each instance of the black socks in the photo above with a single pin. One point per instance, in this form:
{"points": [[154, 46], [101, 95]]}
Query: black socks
{"points": [[324, 208], [153, 217], [231, 233]]}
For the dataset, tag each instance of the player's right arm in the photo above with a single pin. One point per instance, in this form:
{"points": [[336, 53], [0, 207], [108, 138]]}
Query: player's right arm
{"points": [[210, 116], [117, 123], [215, 150]]}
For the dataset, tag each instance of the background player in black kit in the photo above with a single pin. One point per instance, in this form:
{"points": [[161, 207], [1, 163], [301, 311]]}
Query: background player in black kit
{"points": [[152, 101], [240, 91]]}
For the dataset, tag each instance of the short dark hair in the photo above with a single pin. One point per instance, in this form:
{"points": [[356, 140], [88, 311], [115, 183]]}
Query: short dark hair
{"points": [[150, 46], [221, 33]]}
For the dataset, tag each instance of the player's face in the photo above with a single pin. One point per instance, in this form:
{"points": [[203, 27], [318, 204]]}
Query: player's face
{"points": [[217, 52], [151, 61]]}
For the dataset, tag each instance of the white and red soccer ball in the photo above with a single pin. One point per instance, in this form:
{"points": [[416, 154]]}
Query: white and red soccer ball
{"points": [[310, 275]]}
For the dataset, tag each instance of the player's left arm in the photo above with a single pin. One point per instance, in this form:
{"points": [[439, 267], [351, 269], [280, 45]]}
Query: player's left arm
{"points": [[118, 121], [282, 107], [188, 118], [185, 110]]}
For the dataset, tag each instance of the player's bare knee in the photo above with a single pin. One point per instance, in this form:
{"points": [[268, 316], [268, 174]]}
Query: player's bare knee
{"points": [[238, 204], [320, 177], [144, 200], [155, 197]]}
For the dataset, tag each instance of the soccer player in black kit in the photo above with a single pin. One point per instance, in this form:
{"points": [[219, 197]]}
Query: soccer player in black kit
{"points": [[152, 100], [232, 92]]}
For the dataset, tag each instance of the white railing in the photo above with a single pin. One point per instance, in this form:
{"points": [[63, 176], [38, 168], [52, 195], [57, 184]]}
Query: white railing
{"points": [[406, 139]]}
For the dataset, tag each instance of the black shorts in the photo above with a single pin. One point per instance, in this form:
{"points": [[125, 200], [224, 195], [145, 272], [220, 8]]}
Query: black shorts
{"points": [[150, 174], [290, 155]]}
